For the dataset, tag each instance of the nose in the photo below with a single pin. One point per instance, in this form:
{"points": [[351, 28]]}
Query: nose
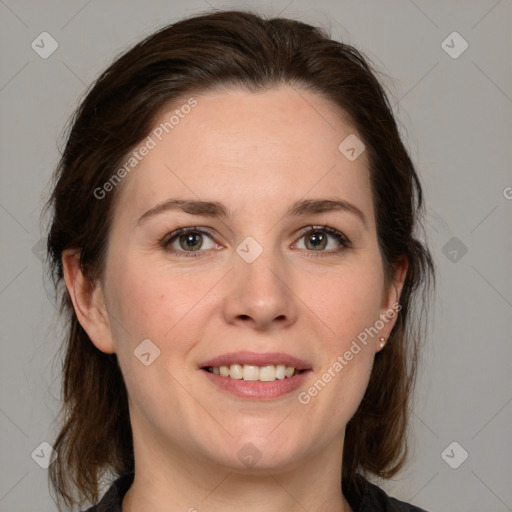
{"points": [[260, 294]]}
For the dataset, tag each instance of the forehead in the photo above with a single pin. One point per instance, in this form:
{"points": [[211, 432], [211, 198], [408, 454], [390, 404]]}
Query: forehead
{"points": [[281, 144]]}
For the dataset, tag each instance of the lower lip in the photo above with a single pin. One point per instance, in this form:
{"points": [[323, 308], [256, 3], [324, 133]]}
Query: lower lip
{"points": [[258, 389]]}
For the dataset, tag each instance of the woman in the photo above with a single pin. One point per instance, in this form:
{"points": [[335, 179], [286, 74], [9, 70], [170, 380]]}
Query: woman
{"points": [[234, 220]]}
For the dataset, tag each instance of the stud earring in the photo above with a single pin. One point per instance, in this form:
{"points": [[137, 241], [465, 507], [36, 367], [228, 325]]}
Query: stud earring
{"points": [[382, 342]]}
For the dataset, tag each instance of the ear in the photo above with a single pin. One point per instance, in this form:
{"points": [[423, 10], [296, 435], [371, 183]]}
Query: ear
{"points": [[88, 301], [390, 302]]}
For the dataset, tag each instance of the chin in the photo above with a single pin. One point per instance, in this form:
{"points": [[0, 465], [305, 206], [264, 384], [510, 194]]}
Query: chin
{"points": [[254, 454]]}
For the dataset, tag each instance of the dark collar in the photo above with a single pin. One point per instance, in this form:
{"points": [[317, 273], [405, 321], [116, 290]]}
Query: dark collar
{"points": [[362, 495]]}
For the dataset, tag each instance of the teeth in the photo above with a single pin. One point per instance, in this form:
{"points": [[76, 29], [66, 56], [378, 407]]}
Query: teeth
{"points": [[250, 372], [280, 371], [236, 371], [267, 373]]}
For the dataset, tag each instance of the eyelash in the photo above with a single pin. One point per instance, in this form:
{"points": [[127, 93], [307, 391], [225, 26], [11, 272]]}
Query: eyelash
{"points": [[340, 237]]}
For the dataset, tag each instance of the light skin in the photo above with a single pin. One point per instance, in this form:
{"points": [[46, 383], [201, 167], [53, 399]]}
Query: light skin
{"points": [[257, 154]]}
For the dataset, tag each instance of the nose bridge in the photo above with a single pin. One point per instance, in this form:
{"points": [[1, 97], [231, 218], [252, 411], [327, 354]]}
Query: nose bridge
{"points": [[260, 269], [259, 288]]}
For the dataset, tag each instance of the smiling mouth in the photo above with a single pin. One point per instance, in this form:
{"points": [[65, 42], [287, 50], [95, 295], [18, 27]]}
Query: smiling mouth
{"points": [[247, 372]]}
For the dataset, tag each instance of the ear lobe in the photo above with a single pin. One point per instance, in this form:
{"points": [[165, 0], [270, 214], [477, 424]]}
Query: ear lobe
{"points": [[88, 302]]}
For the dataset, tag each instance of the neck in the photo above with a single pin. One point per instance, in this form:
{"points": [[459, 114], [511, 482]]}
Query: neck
{"points": [[169, 478]]}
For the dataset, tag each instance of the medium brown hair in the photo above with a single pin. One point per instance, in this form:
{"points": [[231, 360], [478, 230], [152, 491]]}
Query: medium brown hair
{"points": [[193, 56]]}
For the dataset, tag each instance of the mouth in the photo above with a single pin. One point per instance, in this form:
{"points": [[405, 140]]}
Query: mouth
{"points": [[256, 375], [252, 373]]}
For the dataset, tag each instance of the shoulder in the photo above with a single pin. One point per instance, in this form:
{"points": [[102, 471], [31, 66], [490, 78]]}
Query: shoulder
{"points": [[113, 498], [364, 496]]}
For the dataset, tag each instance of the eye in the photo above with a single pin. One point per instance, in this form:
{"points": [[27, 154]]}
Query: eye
{"points": [[188, 242], [319, 238]]}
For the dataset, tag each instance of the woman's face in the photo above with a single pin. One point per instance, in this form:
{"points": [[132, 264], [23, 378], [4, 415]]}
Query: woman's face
{"points": [[255, 285]]}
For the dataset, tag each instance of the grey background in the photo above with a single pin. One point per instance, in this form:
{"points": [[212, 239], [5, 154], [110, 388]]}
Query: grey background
{"points": [[455, 116]]}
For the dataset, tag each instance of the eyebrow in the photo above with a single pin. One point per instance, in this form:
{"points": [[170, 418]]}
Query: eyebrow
{"points": [[216, 209]]}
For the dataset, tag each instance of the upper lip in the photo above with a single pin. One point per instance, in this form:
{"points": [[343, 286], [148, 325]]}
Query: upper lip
{"points": [[256, 359]]}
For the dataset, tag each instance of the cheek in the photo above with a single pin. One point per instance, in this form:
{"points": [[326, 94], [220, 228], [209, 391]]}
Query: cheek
{"points": [[150, 300], [148, 303], [345, 313], [166, 305], [348, 308], [346, 302]]}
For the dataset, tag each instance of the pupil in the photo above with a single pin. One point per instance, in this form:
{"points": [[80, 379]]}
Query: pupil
{"points": [[189, 241], [319, 237]]}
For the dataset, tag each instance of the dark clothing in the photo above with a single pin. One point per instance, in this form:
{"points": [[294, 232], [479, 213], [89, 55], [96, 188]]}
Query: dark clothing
{"points": [[366, 497]]}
